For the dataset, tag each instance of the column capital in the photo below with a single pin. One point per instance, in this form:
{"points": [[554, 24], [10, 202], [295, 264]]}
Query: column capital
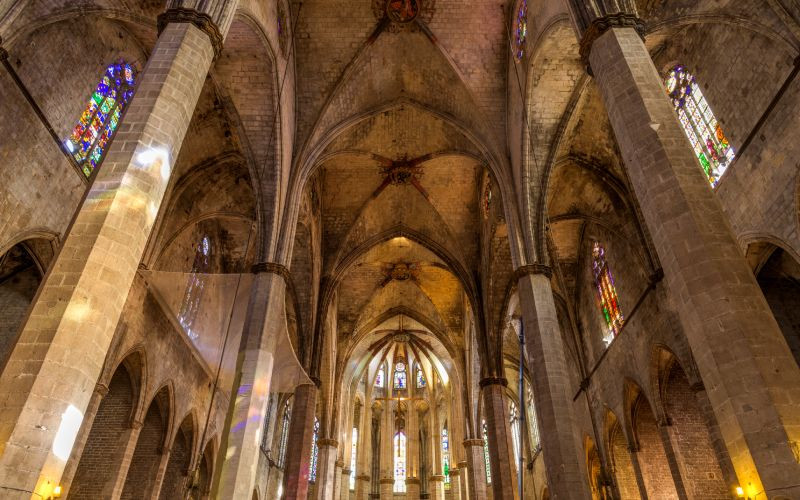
{"points": [[101, 389], [339, 464], [600, 25], [473, 442], [272, 268], [493, 381], [327, 442], [200, 20], [346, 472], [412, 480], [529, 269], [387, 480], [462, 465], [455, 472], [436, 478], [362, 477]]}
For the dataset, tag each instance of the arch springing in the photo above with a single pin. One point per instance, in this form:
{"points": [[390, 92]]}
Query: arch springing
{"points": [[710, 145], [98, 123], [608, 300]]}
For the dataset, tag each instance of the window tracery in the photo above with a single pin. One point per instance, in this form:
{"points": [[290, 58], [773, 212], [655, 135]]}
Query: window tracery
{"points": [[711, 146], [312, 476], [400, 462], [400, 375], [190, 305], [100, 119], [607, 292], [287, 416], [488, 464], [522, 29]]}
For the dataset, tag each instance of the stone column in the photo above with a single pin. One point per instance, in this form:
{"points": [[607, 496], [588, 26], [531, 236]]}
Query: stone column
{"points": [[161, 471], [412, 488], [48, 381], [727, 321], [344, 488], [476, 469], [239, 451], [100, 392], [326, 469], [387, 488], [455, 484], [501, 450], [462, 479], [551, 385], [672, 459], [339, 481], [362, 487], [436, 482], [301, 438]]}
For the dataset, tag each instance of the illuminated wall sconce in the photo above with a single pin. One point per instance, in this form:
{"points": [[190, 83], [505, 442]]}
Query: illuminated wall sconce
{"points": [[740, 492]]}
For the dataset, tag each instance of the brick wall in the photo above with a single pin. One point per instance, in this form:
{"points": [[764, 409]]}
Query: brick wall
{"points": [[16, 292], [175, 476], [112, 417], [147, 456], [699, 467], [652, 459]]}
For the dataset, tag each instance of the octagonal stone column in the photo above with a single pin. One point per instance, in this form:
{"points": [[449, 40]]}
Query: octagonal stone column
{"points": [[752, 378], [48, 381]]}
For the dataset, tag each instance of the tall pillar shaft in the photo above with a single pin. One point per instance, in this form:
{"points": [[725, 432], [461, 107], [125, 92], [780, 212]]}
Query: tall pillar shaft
{"points": [[362, 487], [326, 469], [48, 381], [455, 484], [344, 488], [463, 480], [387, 488], [547, 363], [476, 469], [727, 321], [301, 438], [500, 442], [436, 487], [239, 451]]}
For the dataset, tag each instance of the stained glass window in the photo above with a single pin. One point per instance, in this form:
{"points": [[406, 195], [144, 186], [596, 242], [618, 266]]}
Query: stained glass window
{"points": [[710, 145], [99, 121], [353, 451], [533, 426], [522, 29], [267, 418], [379, 378], [312, 475], [194, 288], [446, 458], [420, 378], [485, 430], [287, 416], [606, 292], [400, 376], [513, 420], [400, 462]]}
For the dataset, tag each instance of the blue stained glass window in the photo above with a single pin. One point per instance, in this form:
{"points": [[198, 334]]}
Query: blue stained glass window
{"points": [[379, 379], [190, 305], [400, 381]]}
